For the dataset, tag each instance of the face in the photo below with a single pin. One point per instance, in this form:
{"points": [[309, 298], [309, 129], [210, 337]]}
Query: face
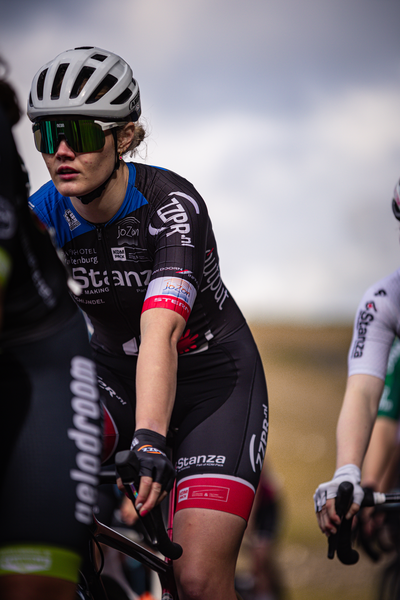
{"points": [[78, 173]]}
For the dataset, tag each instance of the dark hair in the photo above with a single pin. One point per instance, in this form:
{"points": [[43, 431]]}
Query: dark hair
{"points": [[8, 97]]}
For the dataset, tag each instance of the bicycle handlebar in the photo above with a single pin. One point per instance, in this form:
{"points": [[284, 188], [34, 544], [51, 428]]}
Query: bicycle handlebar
{"points": [[127, 467], [341, 541]]}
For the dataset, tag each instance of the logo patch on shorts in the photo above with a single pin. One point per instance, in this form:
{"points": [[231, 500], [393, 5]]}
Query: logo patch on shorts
{"points": [[207, 492], [25, 560]]}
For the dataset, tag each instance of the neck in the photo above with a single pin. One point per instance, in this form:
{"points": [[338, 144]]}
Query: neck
{"points": [[102, 209]]}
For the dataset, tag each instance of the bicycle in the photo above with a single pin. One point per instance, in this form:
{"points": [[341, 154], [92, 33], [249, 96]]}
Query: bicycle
{"points": [[341, 542], [91, 586]]}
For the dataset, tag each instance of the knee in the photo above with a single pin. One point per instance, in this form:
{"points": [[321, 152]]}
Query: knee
{"points": [[193, 584]]}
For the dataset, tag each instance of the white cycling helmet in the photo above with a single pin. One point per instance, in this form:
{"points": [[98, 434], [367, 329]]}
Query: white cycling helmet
{"points": [[88, 82]]}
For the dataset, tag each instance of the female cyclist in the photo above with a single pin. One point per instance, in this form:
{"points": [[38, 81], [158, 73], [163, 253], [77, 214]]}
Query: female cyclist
{"points": [[376, 324], [172, 349]]}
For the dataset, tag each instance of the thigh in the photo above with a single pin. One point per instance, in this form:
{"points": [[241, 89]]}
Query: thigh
{"points": [[219, 460], [211, 541], [117, 383]]}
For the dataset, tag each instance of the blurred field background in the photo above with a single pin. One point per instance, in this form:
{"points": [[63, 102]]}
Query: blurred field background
{"points": [[306, 369]]}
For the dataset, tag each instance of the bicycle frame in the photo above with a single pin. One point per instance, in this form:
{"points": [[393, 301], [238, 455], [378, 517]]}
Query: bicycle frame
{"points": [[116, 540], [163, 568]]}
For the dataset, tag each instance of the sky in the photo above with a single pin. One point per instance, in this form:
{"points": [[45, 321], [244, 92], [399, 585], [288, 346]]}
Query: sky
{"points": [[284, 114]]}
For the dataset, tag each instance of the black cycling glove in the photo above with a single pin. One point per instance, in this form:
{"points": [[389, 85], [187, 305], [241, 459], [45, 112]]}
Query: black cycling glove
{"points": [[150, 448]]}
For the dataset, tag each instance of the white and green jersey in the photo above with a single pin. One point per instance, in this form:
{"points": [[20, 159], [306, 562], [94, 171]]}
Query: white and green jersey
{"points": [[376, 325], [389, 405]]}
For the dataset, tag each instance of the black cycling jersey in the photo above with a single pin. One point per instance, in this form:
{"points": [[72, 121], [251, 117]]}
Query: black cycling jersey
{"points": [[37, 298], [158, 250]]}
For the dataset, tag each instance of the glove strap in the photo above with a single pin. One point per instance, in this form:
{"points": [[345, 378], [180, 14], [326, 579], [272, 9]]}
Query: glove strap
{"points": [[147, 436]]}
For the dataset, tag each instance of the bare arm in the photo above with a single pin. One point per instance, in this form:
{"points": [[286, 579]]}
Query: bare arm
{"points": [[157, 366], [356, 420], [357, 417], [380, 452], [156, 374], [380, 467]]}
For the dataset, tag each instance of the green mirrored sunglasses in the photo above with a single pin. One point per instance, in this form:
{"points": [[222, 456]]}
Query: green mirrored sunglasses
{"points": [[82, 135]]}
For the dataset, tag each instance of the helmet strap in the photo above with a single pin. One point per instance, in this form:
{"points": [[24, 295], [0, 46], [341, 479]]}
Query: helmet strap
{"points": [[87, 198]]}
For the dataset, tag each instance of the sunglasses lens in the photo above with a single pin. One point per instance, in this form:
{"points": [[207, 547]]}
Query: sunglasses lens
{"points": [[81, 135], [45, 136], [87, 136]]}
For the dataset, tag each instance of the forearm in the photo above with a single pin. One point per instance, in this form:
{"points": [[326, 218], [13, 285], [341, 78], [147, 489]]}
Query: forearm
{"points": [[357, 418], [155, 387], [380, 452], [157, 369]]}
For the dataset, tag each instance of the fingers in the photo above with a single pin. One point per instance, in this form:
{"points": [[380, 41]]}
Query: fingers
{"points": [[354, 508], [149, 495], [327, 518], [128, 512]]}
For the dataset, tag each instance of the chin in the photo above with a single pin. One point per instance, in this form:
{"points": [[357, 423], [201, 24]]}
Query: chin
{"points": [[69, 190]]}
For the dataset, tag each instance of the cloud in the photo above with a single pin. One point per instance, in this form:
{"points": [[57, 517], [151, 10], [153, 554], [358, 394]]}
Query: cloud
{"points": [[284, 115]]}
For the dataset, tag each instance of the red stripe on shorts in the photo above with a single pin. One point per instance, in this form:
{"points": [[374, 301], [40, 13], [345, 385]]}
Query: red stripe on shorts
{"points": [[218, 492]]}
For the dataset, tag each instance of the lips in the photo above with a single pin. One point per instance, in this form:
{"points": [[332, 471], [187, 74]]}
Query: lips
{"points": [[67, 173]]}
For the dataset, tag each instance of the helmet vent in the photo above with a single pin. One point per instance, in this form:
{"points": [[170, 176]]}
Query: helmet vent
{"points": [[105, 86], [81, 81], [100, 57], [58, 79], [122, 98], [40, 84]]}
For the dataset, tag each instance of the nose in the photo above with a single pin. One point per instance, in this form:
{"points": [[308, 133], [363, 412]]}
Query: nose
{"points": [[63, 149]]}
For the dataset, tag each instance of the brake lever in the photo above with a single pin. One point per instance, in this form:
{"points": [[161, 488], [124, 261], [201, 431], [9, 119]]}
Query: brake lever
{"points": [[127, 467]]}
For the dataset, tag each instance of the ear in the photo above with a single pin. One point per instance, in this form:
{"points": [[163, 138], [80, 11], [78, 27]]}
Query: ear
{"points": [[125, 137]]}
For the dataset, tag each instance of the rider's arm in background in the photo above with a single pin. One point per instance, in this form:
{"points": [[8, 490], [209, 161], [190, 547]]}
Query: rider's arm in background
{"points": [[156, 375], [376, 323], [356, 419], [377, 472], [380, 470], [354, 428]]}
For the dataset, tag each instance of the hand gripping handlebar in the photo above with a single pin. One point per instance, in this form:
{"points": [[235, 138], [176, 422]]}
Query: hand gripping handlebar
{"points": [[341, 542], [127, 467]]}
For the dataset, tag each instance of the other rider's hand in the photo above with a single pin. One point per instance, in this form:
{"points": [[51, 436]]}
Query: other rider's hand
{"points": [[157, 473], [325, 494]]}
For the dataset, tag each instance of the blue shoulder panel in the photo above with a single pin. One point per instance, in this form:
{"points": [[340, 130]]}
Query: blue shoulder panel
{"points": [[58, 212]]}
